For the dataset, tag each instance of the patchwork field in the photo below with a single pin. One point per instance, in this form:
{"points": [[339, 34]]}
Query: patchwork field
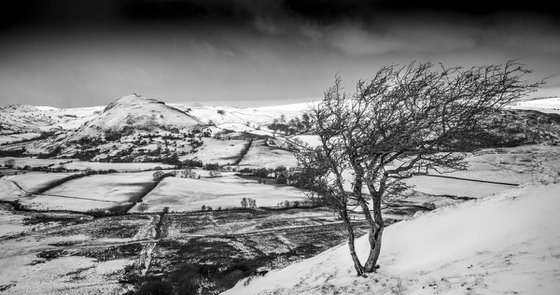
{"points": [[119, 187], [74, 164], [21, 162], [110, 233], [121, 167], [182, 194], [36, 182]]}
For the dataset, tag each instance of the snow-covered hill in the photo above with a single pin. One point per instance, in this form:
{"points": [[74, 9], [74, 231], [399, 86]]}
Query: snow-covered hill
{"points": [[136, 113], [16, 119], [136, 128], [231, 117], [503, 244]]}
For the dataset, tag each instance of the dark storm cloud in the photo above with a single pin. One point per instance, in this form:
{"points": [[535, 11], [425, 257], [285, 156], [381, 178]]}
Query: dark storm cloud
{"points": [[14, 12], [72, 52]]}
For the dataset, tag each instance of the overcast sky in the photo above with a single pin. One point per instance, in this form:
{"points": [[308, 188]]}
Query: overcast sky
{"points": [[69, 53]]}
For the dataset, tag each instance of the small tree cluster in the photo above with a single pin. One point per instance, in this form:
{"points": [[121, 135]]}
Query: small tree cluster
{"points": [[248, 203], [293, 126], [288, 204], [205, 208], [192, 163], [211, 166]]}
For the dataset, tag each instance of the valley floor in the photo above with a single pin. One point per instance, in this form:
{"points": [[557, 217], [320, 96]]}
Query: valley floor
{"points": [[68, 233]]}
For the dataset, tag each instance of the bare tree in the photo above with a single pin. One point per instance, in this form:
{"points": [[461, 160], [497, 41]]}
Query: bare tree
{"points": [[405, 119]]}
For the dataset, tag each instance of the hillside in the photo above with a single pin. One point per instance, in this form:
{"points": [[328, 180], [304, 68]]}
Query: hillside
{"points": [[22, 119], [136, 113], [19, 119], [135, 128], [503, 244]]}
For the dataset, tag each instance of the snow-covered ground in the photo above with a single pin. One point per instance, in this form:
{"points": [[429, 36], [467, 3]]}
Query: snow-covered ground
{"points": [[84, 194], [545, 105], [183, 194], [33, 162], [310, 140], [121, 167], [512, 165], [61, 203], [455, 187], [120, 187], [34, 182], [234, 117], [5, 139], [218, 151], [9, 191], [260, 155], [504, 244], [138, 113], [65, 275], [74, 164]]}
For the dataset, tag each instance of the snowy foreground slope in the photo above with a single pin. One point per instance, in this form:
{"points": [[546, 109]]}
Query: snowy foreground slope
{"points": [[503, 244]]}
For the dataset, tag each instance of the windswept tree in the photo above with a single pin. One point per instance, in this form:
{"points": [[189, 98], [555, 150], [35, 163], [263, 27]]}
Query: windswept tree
{"points": [[404, 120]]}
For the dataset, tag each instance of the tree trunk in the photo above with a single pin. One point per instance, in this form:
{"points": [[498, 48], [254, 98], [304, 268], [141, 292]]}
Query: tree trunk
{"points": [[375, 235], [351, 238]]}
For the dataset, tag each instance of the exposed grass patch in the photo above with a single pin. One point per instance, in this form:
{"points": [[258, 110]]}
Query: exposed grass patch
{"points": [[66, 219], [112, 252], [51, 254]]}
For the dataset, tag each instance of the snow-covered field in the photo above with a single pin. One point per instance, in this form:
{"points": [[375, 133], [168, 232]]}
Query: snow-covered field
{"points": [[74, 164], [119, 187], [34, 182], [455, 187], [260, 155], [88, 193], [33, 162], [65, 275], [9, 191], [233, 116], [310, 140], [510, 166], [218, 151], [121, 167], [505, 244], [183, 194], [545, 105], [62, 203], [5, 139]]}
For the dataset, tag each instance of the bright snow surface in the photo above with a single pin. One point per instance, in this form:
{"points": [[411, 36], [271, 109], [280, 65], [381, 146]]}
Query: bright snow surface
{"points": [[547, 105], [503, 244]]}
